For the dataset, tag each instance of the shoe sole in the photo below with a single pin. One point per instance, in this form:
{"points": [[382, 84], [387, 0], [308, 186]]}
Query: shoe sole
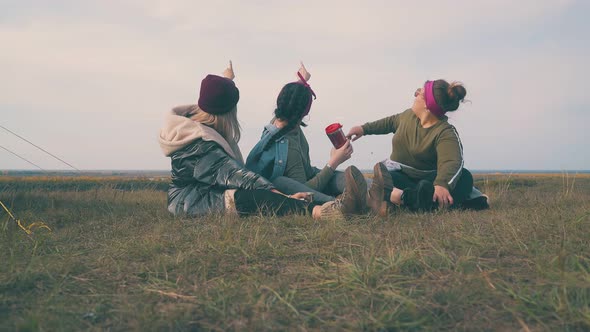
{"points": [[356, 186], [387, 179], [381, 180], [376, 192]]}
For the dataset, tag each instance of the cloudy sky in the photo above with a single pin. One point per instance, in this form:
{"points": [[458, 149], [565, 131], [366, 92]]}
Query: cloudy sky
{"points": [[90, 81]]}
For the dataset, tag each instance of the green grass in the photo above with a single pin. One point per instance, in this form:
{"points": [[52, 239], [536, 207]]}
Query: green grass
{"points": [[117, 260]]}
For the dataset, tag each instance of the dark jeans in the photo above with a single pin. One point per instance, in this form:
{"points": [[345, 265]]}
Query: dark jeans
{"points": [[255, 202], [334, 187], [460, 192]]}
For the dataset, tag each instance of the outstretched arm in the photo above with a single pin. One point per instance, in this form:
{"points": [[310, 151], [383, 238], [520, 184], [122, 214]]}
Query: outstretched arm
{"points": [[355, 133]]}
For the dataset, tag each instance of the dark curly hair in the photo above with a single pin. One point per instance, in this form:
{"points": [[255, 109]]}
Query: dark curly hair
{"points": [[292, 103], [448, 96]]}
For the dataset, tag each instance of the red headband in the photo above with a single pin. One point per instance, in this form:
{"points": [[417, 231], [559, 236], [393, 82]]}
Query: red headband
{"points": [[430, 101], [303, 82]]}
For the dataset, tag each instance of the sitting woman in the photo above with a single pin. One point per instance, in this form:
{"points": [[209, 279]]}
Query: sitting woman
{"points": [[208, 175], [426, 162], [282, 154]]}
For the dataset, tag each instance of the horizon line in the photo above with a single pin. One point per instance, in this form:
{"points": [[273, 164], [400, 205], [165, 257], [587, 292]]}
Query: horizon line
{"points": [[486, 170]]}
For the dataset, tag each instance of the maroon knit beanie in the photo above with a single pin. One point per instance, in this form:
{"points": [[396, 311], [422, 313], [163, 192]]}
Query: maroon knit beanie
{"points": [[218, 95]]}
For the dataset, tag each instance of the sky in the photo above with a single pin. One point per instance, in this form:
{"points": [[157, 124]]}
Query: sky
{"points": [[91, 81]]}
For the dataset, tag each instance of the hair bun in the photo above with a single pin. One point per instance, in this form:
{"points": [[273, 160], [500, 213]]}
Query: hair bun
{"points": [[457, 91]]}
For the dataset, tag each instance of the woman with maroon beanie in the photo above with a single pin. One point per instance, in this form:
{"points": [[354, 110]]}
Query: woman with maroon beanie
{"points": [[208, 173], [425, 168]]}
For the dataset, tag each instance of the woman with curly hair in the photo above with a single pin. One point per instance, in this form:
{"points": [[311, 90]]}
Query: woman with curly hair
{"points": [[282, 154], [425, 168]]}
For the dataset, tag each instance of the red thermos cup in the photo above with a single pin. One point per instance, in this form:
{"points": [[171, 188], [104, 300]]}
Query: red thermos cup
{"points": [[336, 135]]}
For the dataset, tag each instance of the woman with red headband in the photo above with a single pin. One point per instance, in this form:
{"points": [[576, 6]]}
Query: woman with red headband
{"points": [[426, 162], [282, 154]]}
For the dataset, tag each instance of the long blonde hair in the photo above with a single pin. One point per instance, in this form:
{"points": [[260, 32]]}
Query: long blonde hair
{"points": [[226, 124]]}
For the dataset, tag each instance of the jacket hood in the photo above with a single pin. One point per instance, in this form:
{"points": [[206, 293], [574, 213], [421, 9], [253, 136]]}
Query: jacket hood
{"points": [[179, 131]]}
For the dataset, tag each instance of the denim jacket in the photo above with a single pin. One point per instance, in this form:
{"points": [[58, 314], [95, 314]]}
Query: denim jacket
{"points": [[272, 161]]}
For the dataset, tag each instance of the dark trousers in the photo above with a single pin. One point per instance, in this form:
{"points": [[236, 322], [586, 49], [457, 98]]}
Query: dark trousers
{"points": [[334, 187], [460, 192], [265, 202]]}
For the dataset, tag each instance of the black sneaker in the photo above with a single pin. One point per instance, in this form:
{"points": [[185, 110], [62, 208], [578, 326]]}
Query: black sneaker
{"points": [[419, 198], [477, 204]]}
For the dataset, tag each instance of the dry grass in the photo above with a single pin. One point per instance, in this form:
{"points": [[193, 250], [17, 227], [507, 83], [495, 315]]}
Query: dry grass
{"points": [[117, 260]]}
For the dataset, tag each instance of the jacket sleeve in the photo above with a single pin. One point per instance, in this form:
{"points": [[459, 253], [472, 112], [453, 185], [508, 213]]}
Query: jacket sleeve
{"points": [[254, 161], [383, 126], [449, 152], [211, 165], [296, 170], [320, 179]]}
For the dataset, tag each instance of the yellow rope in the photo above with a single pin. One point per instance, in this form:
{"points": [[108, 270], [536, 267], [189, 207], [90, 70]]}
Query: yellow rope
{"points": [[28, 229]]}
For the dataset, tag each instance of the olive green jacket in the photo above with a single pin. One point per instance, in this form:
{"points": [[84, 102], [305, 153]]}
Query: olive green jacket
{"points": [[434, 153], [298, 165]]}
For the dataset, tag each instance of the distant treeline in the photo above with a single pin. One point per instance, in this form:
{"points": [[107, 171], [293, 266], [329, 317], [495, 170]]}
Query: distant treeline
{"points": [[93, 173], [81, 183]]}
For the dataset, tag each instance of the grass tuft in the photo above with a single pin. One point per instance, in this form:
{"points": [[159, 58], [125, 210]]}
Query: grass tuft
{"points": [[116, 260]]}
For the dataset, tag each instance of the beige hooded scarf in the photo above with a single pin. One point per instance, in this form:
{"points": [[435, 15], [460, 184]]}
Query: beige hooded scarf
{"points": [[179, 131]]}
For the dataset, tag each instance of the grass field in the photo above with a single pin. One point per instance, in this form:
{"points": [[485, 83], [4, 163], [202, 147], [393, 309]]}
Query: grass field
{"points": [[116, 260]]}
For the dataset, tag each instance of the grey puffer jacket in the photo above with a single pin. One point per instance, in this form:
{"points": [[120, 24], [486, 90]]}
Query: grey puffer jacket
{"points": [[204, 166]]}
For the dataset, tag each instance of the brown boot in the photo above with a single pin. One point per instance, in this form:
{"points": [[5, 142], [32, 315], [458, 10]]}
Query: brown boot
{"points": [[381, 181], [354, 197]]}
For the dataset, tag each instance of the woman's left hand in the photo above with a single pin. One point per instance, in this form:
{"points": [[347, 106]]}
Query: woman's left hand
{"points": [[301, 196], [442, 196], [229, 72]]}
